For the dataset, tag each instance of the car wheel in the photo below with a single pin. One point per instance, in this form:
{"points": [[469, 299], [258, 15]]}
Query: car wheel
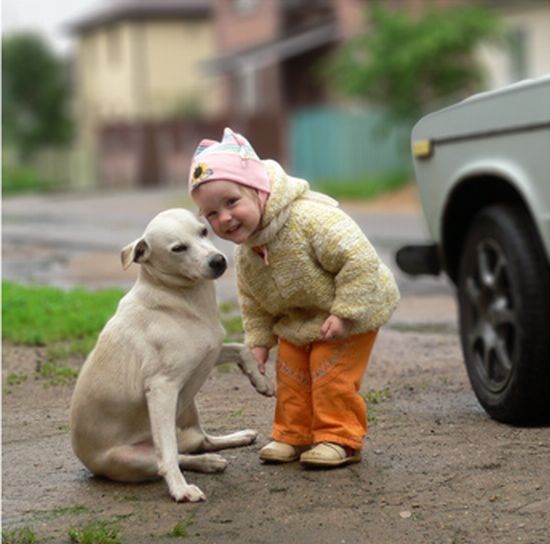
{"points": [[503, 294]]}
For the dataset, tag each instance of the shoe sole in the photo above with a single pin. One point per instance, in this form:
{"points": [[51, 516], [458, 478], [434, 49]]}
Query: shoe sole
{"points": [[276, 459], [331, 462]]}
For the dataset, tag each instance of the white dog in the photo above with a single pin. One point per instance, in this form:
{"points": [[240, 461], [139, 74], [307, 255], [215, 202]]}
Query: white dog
{"points": [[133, 414]]}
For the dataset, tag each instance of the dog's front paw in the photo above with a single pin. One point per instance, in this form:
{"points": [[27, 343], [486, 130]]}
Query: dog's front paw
{"points": [[249, 366], [263, 385], [189, 493]]}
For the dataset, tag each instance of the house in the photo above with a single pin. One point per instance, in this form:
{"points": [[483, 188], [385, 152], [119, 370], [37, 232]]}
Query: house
{"points": [[153, 76], [270, 49], [138, 61], [525, 51]]}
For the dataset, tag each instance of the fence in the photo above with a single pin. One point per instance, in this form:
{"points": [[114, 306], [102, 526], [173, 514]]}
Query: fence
{"points": [[343, 143]]}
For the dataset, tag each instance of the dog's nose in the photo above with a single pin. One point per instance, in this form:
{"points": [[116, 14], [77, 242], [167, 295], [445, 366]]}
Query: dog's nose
{"points": [[218, 264]]}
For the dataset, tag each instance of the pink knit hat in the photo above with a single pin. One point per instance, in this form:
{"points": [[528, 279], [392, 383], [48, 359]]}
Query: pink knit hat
{"points": [[232, 159]]}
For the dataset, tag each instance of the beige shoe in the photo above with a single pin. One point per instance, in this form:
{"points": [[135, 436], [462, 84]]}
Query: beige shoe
{"points": [[279, 452], [327, 454]]}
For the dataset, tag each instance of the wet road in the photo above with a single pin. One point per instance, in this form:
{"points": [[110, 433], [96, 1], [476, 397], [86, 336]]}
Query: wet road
{"points": [[74, 239]]}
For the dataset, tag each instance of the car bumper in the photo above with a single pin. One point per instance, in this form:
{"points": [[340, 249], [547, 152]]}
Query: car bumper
{"points": [[419, 259]]}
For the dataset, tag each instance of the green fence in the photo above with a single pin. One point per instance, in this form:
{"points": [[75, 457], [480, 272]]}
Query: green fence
{"points": [[351, 144]]}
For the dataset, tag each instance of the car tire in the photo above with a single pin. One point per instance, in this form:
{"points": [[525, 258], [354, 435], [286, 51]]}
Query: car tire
{"points": [[503, 295]]}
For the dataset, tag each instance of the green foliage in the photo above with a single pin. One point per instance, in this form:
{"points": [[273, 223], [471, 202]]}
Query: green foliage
{"points": [[38, 315], [409, 64], [34, 94], [180, 529], [362, 189], [56, 374], [98, 532], [374, 396], [24, 180], [16, 378], [231, 321], [23, 535]]}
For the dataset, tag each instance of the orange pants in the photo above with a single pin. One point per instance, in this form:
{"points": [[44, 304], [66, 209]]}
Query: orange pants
{"points": [[318, 396]]}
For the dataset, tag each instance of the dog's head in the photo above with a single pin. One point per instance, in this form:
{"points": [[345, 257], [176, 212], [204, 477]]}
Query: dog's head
{"points": [[175, 248]]}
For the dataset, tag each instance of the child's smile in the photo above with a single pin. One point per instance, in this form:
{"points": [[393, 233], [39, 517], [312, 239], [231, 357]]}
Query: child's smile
{"points": [[232, 211]]}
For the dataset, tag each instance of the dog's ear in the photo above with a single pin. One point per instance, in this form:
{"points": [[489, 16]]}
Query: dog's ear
{"points": [[136, 252]]}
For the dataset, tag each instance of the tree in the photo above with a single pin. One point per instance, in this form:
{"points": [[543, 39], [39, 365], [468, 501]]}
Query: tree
{"points": [[34, 94], [410, 64]]}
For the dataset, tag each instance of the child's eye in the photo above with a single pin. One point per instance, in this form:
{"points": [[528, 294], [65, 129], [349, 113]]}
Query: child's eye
{"points": [[232, 201], [210, 215]]}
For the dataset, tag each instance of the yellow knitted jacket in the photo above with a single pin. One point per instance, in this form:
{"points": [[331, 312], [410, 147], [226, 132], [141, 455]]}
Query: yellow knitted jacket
{"points": [[319, 262]]}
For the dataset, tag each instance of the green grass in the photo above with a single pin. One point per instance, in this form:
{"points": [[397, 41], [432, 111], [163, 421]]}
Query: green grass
{"points": [[373, 398], [16, 378], [98, 532], [231, 321], [22, 535], [180, 529], [56, 374], [17, 180], [362, 188], [36, 315]]}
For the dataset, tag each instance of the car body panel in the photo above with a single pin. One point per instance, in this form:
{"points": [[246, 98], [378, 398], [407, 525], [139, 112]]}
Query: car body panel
{"points": [[503, 134]]}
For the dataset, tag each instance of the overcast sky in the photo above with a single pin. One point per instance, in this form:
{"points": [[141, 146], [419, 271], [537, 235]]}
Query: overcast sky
{"points": [[46, 16]]}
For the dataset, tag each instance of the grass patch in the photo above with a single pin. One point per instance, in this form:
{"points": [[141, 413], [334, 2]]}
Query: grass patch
{"points": [[56, 374], [36, 315], [376, 396], [373, 398], [98, 532], [180, 529], [231, 321], [18, 180], [16, 378], [22, 535], [365, 188]]}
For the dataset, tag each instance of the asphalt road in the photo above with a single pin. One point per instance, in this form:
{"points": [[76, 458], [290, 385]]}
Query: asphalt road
{"points": [[74, 239]]}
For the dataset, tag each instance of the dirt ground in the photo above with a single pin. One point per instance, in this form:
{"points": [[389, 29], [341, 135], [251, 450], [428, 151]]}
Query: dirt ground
{"points": [[436, 469]]}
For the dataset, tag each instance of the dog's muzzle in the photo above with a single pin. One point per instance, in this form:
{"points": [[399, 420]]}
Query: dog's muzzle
{"points": [[218, 265]]}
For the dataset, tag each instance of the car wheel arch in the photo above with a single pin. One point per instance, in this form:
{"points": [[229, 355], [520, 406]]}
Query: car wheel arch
{"points": [[464, 202]]}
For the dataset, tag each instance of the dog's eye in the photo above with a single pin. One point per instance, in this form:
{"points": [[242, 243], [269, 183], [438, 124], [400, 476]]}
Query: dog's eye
{"points": [[180, 248], [204, 233]]}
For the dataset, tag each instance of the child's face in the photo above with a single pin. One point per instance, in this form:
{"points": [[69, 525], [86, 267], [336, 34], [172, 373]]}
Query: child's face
{"points": [[233, 212]]}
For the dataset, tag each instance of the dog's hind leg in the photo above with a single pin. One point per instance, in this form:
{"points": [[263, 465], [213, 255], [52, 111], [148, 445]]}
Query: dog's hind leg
{"points": [[192, 437], [203, 462], [128, 463]]}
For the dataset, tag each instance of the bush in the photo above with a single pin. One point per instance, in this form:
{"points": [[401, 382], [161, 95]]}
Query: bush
{"points": [[17, 180]]}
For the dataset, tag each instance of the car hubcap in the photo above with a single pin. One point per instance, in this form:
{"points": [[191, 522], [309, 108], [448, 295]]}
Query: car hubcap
{"points": [[493, 321]]}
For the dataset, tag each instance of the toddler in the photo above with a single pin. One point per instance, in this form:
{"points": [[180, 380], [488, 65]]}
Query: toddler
{"points": [[310, 282]]}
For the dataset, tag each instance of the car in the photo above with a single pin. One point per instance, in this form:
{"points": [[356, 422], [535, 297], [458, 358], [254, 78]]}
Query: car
{"points": [[482, 167]]}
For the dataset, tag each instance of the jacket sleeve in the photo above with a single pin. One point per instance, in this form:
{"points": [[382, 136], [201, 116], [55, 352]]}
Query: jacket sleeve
{"points": [[258, 324], [364, 286]]}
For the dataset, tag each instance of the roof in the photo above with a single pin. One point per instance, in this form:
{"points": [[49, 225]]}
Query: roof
{"points": [[275, 51], [118, 10]]}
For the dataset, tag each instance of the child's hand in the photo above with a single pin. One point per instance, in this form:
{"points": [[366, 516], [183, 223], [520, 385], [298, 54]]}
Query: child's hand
{"points": [[261, 354], [335, 328]]}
